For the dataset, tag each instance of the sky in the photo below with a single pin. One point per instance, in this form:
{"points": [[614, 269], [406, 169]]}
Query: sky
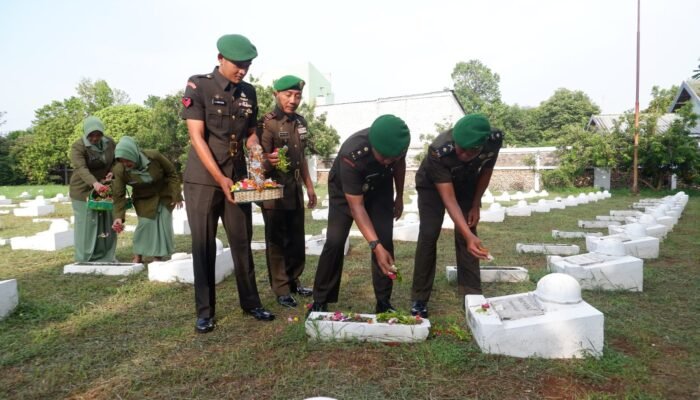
{"points": [[370, 49]]}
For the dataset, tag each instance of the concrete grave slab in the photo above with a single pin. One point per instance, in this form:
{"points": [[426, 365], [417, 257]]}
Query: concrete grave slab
{"points": [[9, 297], [573, 235], [544, 248], [57, 237], [112, 269], [365, 332], [492, 274], [596, 224], [180, 267], [34, 211], [495, 213]]}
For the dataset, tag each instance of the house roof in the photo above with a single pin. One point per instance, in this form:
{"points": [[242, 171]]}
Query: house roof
{"points": [[606, 122], [420, 112], [689, 91]]}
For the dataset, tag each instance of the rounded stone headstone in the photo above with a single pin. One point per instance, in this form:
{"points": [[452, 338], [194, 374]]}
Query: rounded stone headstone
{"points": [[544, 193], [558, 288], [635, 230], [495, 206], [610, 246], [522, 203], [647, 220]]}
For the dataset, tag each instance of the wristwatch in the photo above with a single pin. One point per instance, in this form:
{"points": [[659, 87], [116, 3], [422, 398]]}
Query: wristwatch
{"points": [[373, 244]]}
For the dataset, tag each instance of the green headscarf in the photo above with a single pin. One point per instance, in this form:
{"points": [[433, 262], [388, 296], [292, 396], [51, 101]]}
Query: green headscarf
{"points": [[129, 150], [92, 124]]}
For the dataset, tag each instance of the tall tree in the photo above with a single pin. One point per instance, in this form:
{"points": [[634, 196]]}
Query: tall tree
{"points": [[167, 132], [475, 85], [661, 99], [98, 95], [564, 107]]}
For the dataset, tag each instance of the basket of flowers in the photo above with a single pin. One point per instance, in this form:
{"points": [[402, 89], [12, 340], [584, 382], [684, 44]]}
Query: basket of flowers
{"points": [[248, 190], [101, 200]]}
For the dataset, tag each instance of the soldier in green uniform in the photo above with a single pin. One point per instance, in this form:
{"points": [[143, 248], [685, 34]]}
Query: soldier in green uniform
{"points": [[155, 192], [360, 189], [284, 129], [92, 157], [221, 113], [453, 176]]}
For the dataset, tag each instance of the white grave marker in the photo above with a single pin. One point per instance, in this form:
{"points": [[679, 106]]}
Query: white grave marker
{"points": [[8, 297]]}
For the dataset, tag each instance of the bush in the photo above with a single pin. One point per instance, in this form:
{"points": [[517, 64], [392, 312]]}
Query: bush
{"points": [[557, 178]]}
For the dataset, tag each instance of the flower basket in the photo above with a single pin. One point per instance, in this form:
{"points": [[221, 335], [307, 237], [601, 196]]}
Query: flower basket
{"points": [[98, 203], [250, 195], [318, 329]]}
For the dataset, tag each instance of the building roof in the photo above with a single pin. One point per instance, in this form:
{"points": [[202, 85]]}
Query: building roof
{"points": [[606, 122], [420, 112], [689, 91]]}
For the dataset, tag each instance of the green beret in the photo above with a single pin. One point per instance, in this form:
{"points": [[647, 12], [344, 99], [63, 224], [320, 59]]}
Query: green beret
{"points": [[389, 135], [288, 82], [92, 124], [236, 48], [471, 131]]}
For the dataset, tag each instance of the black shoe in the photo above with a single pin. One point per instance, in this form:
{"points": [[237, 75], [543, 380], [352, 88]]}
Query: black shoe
{"points": [[287, 301], [420, 308], [204, 325], [384, 306], [304, 291], [260, 314]]}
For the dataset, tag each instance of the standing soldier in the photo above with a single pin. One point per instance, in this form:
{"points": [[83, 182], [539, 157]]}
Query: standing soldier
{"points": [[360, 189], [453, 176], [283, 130], [221, 113]]}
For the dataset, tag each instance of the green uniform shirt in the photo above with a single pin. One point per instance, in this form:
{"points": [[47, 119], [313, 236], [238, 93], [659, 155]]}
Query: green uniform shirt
{"points": [[276, 130], [88, 167], [228, 111], [164, 189]]}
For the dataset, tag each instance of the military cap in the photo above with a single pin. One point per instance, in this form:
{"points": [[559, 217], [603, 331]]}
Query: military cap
{"points": [[236, 48], [288, 82], [92, 124], [471, 131], [389, 135]]}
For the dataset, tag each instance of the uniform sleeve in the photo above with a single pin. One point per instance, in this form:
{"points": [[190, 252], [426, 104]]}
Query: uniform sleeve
{"points": [[119, 191], [350, 176], [193, 101], [437, 172], [494, 146], [77, 160], [171, 177]]}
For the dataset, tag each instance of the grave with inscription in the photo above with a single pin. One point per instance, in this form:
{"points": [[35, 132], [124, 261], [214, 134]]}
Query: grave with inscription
{"points": [[57, 237], [492, 274], [9, 298], [653, 228], [607, 268], [100, 268], [318, 329], [635, 240], [573, 235], [551, 322], [545, 248], [596, 224]]}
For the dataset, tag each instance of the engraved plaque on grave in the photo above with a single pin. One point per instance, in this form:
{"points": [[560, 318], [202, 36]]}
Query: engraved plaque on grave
{"points": [[586, 259], [518, 307]]}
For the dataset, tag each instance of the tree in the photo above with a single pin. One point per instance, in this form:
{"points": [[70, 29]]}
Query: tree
{"points": [[46, 147], [661, 99], [122, 120], [10, 174], [516, 122], [475, 85], [2, 118], [167, 132], [98, 95], [697, 73], [564, 107]]}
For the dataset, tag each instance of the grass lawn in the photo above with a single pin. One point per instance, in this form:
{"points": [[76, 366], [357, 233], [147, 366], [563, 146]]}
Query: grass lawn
{"points": [[86, 337]]}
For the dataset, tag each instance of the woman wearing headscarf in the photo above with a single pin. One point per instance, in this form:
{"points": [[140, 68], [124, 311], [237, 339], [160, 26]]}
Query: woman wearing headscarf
{"points": [[92, 157], [155, 192]]}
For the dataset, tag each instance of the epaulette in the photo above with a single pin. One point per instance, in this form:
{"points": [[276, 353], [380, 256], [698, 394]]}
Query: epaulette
{"points": [[269, 116], [496, 135], [443, 150], [359, 153]]}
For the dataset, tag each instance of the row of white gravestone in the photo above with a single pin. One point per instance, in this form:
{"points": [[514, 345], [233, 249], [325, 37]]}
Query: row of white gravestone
{"points": [[57, 237]]}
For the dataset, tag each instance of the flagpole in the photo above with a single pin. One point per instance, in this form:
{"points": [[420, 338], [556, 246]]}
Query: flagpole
{"points": [[635, 162]]}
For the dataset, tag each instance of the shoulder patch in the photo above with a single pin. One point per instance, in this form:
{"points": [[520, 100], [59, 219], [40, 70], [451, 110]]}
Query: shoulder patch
{"points": [[496, 135], [443, 150], [269, 116], [347, 161], [359, 153]]}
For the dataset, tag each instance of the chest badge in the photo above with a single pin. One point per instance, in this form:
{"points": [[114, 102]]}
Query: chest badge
{"points": [[283, 135]]}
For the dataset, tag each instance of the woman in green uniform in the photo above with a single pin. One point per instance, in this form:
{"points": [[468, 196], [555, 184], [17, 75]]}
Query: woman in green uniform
{"points": [[92, 157], [156, 191]]}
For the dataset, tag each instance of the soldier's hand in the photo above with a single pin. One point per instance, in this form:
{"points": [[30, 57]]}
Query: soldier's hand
{"points": [[398, 207], [273, 158], [117, 225], [100, 188], [475, 248], [312, 198], [473, 216], [384, 259], [226, 184]]}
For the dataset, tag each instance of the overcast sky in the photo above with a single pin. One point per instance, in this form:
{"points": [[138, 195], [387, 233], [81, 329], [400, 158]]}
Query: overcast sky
{"points": [[370, 49]]}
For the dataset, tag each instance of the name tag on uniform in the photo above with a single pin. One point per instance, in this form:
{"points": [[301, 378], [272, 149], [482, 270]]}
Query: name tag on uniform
{"points": [[283, 135], [218, 102]]}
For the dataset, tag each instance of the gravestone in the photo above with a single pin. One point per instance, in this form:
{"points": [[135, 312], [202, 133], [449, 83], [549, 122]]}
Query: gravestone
{"points": [[34, 210], [608, 268], [314, 245], [492, 274], [601, 178], [364, 332], [495, 213], [541, 206], [180, 224], [98, 268], [57, 237], [573, 235], [556, 204], [180, 267], [634, 239], [596, 224], [519, 210], [544, 248], [570, 201], [9, 298], [5, 201], [551, 322], [319, 214], [503, 197], [406, 229]]}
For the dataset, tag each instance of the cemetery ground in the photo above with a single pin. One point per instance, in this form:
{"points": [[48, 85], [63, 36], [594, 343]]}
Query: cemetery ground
{"points": [[86, 337]]}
